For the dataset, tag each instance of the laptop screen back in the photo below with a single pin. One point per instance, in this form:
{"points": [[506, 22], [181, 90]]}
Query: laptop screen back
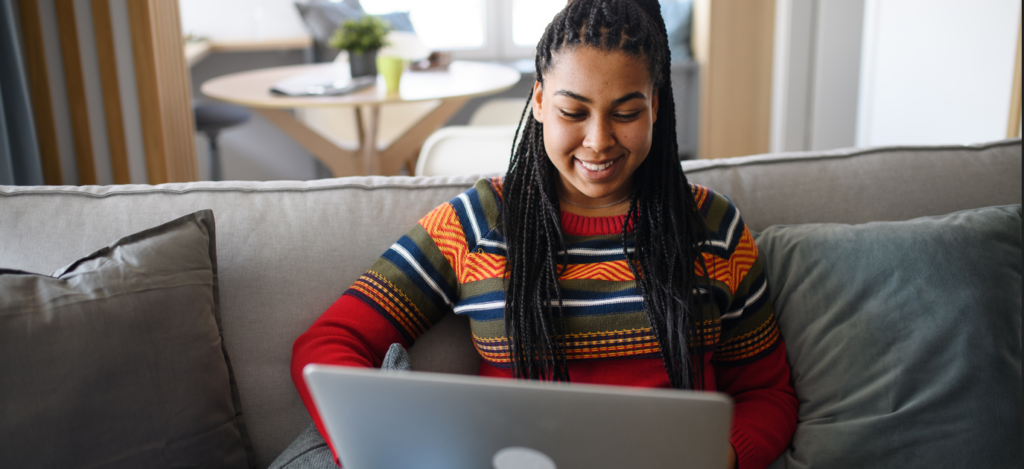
{"points": [[427, 420]]}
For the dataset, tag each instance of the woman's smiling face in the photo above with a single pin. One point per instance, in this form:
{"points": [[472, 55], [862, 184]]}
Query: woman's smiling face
{"points": [[598, 109]]}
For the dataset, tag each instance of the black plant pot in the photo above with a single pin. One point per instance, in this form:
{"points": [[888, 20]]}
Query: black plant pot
{"points": [[364, 64]]}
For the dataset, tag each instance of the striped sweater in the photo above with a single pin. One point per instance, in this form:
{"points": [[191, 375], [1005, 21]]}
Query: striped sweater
{"points": [[454, 259]]}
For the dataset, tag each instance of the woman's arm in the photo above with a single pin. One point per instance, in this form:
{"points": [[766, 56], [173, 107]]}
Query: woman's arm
{"points": [[750, 365], [765, 411], [349, 333], [749, 359], [408, 290]]}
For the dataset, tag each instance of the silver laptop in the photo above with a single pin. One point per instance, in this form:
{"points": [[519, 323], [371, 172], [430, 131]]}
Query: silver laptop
{"points": [[439, 421]]}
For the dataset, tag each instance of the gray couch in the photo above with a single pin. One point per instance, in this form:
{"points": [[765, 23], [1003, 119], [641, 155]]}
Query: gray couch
{"points": [[286, 250]]}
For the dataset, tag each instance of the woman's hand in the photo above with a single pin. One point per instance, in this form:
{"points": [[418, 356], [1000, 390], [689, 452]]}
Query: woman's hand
{"points": [[730, 459]]}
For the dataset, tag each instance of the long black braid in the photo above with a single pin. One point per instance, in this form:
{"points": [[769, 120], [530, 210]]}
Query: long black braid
{"points": [[666, 224]]}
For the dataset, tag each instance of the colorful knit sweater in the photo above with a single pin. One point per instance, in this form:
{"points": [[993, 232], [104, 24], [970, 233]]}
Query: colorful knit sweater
{"points": [[454, 259]]}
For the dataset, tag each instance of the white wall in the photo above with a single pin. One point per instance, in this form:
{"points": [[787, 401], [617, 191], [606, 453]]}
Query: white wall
{"points": [[241, 19], [816, 74], [936, 71], [791, 74], [837, 56]]}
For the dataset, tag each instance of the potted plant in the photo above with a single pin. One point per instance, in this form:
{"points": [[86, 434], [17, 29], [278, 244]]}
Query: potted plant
{"points": [[362, 38]]}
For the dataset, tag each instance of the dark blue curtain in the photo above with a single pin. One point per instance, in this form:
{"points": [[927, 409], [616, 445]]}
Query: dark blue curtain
{"points": [[19, 153]]}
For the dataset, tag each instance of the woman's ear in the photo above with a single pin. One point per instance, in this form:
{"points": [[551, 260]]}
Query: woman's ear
{"points": [[537, 101]]}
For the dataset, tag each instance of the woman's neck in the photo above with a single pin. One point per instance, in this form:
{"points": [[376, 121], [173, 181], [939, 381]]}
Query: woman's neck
{"points": [[573, 201], [615, 209]]}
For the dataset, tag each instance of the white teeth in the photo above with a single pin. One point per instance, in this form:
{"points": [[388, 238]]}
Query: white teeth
{"points": [[596, 167]]}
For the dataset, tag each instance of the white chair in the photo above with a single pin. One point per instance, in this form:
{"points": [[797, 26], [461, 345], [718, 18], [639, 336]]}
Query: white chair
{"points": [[466, 150], [498, 111]]}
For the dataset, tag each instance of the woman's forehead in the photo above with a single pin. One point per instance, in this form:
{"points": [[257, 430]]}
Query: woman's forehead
{"points": [[587, 70]]}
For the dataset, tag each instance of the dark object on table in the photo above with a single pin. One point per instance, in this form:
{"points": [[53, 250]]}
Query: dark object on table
{"points": [[436, 61], [363, 64], [327, 89], [211, 118]]}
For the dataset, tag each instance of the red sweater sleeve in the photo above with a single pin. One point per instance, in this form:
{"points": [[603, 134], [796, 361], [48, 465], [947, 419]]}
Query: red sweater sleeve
{"points": [[765, 412], [349, 333]]}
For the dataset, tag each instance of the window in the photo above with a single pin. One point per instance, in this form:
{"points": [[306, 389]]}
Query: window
{"points": [[529, 19], [476, 29], [441, 25]]}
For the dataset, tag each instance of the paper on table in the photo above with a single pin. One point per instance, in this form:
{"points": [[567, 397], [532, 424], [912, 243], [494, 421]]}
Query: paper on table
{"points": [[332, 82]]}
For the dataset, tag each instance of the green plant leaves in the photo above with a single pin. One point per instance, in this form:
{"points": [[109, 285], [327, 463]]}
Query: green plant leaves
{"points": [[361, 35]]}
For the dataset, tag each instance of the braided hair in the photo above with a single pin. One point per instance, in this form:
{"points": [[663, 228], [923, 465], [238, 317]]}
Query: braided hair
{"points": [[666, 224]]}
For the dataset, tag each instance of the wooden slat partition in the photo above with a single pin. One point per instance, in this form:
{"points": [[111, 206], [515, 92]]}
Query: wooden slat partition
{"points": [[164, 91], [74, 81], [733, 43], [106, 56], [1013, 128], [42, 100]]}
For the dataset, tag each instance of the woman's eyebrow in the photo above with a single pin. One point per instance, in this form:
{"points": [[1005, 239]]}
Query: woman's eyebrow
{"points": [[629, 97], [584, 99], [573, 96]]}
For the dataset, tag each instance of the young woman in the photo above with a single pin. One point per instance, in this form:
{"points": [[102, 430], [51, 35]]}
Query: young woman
{"points": [[593, 260]]}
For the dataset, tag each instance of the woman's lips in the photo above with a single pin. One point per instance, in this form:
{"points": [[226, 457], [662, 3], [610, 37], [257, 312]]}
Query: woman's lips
{"points": [[597, 169]]}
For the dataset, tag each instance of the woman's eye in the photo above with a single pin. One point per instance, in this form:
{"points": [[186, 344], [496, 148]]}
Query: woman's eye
{"points": [[573, 115], [629, 116]]}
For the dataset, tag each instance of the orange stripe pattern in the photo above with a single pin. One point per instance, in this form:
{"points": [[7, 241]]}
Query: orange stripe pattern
{"points": [[700, 194], [749, 345], [732, 271], [590, 345], [442, 224], [615, 271], [386, 296], [483, 266]]}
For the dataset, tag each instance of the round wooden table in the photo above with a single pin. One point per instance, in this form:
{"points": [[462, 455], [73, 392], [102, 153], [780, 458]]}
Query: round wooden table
{"points": [[453, 87]]}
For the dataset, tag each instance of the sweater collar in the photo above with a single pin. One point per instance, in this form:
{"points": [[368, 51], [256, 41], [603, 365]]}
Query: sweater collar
{"points": [[579, 225]]}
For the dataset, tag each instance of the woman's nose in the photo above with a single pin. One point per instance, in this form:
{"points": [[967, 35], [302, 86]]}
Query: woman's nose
{"points": [[600, 135]]}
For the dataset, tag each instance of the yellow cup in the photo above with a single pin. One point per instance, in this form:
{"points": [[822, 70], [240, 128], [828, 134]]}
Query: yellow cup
{"points": [[391, 67]]}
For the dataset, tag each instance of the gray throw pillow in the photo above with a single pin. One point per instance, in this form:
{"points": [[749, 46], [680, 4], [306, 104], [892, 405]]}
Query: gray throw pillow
{"points": [[117, 361], [904, 339]]}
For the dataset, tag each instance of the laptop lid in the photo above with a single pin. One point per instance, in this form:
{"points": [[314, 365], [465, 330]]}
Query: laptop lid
{"points": [[428, 420]]}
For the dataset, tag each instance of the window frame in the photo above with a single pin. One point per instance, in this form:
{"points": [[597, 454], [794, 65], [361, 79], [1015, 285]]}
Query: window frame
{"points": [[498, 42]]}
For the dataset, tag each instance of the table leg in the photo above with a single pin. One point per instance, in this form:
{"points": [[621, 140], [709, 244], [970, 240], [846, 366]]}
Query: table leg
{"points": [[367, 160], [368, 141], [404, 151], [359, 125], [340, 161]]}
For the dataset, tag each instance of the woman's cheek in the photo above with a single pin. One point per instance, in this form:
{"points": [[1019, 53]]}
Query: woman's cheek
{"points": [[558, 141]]}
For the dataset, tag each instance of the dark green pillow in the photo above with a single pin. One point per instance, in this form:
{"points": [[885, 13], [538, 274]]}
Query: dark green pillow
{"points": [[904, 339], [117, 360]]}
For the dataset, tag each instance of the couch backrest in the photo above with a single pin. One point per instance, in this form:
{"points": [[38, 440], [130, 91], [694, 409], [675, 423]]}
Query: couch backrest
{"points": [[861, 185], [287, 250]]}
